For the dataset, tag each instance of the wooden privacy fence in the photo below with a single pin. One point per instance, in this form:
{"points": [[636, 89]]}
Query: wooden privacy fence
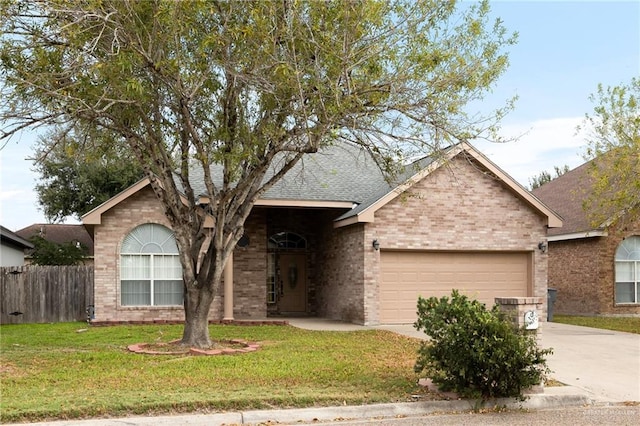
{"points": [[31, 294]]}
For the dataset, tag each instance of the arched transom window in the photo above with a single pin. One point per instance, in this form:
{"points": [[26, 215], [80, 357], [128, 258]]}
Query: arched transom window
{"points": [[150, 270], [287, 240], [628, 271]]}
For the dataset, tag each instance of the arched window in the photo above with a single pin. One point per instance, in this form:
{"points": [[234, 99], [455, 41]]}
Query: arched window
{"points": [[287, 240], [150, 270], [628, 271]]}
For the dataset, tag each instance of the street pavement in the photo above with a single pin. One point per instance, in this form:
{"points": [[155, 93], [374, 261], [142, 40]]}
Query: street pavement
{"points": [[600, 367]]}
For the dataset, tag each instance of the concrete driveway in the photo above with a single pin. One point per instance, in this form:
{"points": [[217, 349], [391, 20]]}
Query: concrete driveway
{"points": [[602, 364]]}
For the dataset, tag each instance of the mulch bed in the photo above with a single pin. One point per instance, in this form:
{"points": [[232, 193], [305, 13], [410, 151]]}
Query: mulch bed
{"points": [[221, 347]]}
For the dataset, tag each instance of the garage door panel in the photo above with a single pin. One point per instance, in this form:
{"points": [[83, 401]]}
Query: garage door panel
{"points": [[482, 276]]}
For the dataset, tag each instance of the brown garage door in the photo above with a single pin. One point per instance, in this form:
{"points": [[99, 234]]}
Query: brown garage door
{"points": [[482, 276]]}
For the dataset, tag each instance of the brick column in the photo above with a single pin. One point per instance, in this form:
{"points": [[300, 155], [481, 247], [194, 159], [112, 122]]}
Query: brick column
{"points": [[525, 312]]}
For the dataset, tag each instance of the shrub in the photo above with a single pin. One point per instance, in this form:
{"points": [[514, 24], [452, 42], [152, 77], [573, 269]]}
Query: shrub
{"points": [[476, 352]]}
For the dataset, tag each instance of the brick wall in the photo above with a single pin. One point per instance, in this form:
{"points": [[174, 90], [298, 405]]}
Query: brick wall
{"points": [[142, 207], [583, 272], [250, 270], [574, 271], [458, 207], [341, 276]]}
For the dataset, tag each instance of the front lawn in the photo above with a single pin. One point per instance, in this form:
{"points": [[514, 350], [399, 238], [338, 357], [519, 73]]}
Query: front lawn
{"points": [[627, 324], [70, 370]]}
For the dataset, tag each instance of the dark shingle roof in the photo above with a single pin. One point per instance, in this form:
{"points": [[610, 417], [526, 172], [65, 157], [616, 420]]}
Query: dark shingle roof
{"points": [[566, 195], [339, 172], [59, 234]]}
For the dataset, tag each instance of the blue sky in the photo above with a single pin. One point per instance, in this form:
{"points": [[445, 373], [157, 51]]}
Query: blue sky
{"points": [[564, 50]]}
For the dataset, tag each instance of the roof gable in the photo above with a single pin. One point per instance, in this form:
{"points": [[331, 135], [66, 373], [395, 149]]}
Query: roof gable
{"points": [[365, 213]]}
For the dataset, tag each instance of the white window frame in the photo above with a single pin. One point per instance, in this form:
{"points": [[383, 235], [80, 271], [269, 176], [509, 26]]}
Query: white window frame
{"points": [[628, 252], [135, 245]]}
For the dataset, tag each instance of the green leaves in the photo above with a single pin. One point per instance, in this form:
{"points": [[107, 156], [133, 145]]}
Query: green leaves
{"points": [[49, 253], [614, 142], [474, 351]]}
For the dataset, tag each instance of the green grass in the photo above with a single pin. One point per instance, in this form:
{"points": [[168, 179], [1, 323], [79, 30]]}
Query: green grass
{"points": [[58, 371], [627, 324]]}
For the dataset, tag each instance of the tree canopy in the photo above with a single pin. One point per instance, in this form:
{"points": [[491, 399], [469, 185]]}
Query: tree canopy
{"points": [[74, 179], [249, 87], [614, 142], [50, 253]]}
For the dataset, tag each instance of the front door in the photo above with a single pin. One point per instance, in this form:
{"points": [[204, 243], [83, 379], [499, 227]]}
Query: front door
{"points": [[293, 283]]}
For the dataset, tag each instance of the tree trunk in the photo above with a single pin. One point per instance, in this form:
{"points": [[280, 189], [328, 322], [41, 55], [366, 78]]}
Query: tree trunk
{"points": [[197, 303]]}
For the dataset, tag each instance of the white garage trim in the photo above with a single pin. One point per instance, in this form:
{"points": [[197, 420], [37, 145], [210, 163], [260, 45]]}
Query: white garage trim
{"points": [[405, 275]]}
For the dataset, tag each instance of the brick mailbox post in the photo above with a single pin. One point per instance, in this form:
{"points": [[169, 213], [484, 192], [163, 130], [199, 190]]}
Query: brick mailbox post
{"points": [[527, 313]]}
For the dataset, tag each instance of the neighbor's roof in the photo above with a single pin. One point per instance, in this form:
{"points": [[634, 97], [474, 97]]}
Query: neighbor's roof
{"points": [[59, 234], [344, 177], [13, 239], [565, 195]]}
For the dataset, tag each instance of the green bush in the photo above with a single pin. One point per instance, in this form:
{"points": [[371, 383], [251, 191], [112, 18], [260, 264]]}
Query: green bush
{"points": [[476, 352]]}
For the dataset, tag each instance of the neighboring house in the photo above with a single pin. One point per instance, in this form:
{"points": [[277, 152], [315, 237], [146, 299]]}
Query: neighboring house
{"points": [[61, 234], [595, 269], [12, 247], [334, 239]]}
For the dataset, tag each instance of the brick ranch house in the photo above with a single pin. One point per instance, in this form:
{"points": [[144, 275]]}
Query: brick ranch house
{"points": [[334, 239], [595, 269]]}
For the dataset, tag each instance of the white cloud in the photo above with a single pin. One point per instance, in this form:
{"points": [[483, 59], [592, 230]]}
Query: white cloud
{"points": [[540, 145]]}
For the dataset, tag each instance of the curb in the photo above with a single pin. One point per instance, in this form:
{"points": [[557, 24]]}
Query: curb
{"points": [[406, 409], [372, 412]]}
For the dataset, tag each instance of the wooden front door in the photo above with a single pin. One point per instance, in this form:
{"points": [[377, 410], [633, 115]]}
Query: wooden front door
{"points": [[293, 283]]}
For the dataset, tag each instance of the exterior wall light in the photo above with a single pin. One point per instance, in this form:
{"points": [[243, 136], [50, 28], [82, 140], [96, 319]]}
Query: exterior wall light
{"points": [[542, 246], [376, 245]]}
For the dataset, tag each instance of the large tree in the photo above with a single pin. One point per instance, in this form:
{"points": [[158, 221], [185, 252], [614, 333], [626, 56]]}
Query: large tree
{"points": [[250, 88], [77, 176], [614, 144]]}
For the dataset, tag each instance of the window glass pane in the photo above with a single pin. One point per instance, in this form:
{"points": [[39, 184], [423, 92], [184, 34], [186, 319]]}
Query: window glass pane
{"points": [[629, 249], [287, 240], [150, 238], [271, 278], [135, 293], [167, 292], [625, 293], [151, 248], [167, 267], [135, 267], [625, 271]]}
